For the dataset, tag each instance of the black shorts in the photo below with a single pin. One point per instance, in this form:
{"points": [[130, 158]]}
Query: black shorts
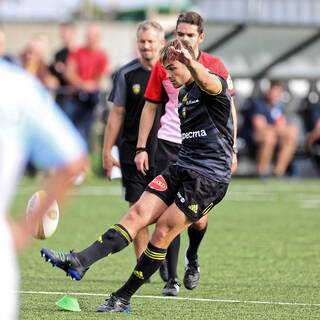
{"points": [[167, 154], [134, 182], [193, 193]]}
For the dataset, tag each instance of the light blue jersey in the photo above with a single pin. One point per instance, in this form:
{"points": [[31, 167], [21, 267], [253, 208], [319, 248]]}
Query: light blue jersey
{"points": [[32, 127]]}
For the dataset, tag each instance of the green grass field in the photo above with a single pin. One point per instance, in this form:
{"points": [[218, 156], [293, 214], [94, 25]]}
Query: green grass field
{"points": [[259, 259]]}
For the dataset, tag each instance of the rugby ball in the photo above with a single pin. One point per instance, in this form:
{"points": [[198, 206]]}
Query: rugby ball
{"points": [[46, 228]]}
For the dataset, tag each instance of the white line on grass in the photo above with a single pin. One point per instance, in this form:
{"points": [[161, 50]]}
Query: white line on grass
{"points": [[179, 298]]}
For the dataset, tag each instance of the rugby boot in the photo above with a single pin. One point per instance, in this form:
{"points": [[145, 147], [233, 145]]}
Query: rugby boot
{"points": [[68, 262], [171, 288], [114, 304], [192, 272]]}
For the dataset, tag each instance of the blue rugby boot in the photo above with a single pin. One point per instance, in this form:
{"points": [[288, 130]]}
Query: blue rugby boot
{"points": [[68, 262]]}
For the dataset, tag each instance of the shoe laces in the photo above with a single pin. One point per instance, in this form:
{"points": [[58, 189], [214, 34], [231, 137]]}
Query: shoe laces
{"points": [[172, 282], [193, 264], [111, 301]]}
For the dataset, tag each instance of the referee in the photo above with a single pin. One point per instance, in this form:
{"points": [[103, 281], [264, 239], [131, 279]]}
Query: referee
{"points": [[127, 96]]}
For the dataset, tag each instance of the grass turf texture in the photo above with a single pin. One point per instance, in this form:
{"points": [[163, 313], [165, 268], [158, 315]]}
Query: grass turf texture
{"points": [[262, 245]]}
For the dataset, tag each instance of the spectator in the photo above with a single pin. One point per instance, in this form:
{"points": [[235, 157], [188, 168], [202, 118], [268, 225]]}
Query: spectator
{"points": [[269, 129], [33, 60], [85, 69], [312, 142], [58, 67]]}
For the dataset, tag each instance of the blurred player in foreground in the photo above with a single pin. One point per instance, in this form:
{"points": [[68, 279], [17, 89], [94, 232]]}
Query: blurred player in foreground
{"points": [[32, 127], [184, 192]]}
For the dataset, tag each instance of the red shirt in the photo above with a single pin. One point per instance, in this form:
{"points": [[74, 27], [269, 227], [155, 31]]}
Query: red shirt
{"points": [[159, 74], [160, 90], [89, 63]]}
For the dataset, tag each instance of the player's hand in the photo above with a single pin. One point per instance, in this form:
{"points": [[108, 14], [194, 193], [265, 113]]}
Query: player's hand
{"points": [[108, 162], [142, 162], [234, 163], [310, 140], [182, 54], [89, 86]]}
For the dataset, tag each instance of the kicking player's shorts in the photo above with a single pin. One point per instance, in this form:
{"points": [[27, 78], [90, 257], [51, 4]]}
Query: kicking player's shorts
{"points": [[134, 182], [167, 154], [193, 193]]}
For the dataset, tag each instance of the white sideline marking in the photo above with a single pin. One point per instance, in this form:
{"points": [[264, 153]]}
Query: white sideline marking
{"points": [[179, 298]]}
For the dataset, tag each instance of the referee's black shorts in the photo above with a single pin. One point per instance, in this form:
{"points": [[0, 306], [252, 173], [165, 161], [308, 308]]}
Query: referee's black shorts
{"points": [[167, 154], [134, 182], [193, 193]]}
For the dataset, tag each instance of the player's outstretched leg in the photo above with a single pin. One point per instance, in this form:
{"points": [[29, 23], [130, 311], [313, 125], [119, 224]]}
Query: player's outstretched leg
{"points": [[75, 264], [147, 265], [192, 269]]}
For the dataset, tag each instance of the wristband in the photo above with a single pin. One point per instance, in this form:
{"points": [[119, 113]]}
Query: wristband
{"points": [[139, 150], [235, 149]]}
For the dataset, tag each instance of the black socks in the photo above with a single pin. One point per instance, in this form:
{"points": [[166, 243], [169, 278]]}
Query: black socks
{"points": [[172, 257], [195, 237], [147, 265], [112, 241]]}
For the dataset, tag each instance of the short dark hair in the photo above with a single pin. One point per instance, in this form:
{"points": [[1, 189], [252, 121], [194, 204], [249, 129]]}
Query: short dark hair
{"points": [[275, 83], [167, 54], [191, 17]]}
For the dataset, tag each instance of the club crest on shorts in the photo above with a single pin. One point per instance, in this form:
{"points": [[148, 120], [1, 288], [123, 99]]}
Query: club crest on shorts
{"points": [[158, 183], [136, 88]]}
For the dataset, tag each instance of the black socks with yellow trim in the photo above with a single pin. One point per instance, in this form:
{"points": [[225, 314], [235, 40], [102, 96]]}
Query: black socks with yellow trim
{"points": [[112, 241], [147, 265], [195, 237]]}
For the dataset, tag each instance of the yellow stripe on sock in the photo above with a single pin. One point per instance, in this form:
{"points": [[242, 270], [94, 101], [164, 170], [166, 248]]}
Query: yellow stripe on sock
{"points": [[123, 232], [154, 255]]}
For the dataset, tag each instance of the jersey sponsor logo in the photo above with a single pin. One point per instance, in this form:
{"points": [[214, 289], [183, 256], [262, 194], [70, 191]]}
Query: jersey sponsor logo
{"points": [[194, 134], [136, 88], [193, 207], [191, 102], [158, 183], [181, 198]]}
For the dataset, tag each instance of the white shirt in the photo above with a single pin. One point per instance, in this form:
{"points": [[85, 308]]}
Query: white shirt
{"points": [[32, 127]]}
